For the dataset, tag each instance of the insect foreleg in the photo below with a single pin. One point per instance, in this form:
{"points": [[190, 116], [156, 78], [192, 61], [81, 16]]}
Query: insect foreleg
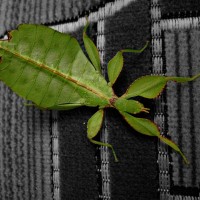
{"points": [[115, 65], [93, 127]]}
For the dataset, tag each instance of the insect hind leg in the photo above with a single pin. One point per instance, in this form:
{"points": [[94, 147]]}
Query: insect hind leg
{"points": [[105, 145]]}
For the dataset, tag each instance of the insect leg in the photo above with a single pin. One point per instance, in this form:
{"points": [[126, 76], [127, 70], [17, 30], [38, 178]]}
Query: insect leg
{"points": [[93, 127], [91, 50], [115, 65], [106, 145]]}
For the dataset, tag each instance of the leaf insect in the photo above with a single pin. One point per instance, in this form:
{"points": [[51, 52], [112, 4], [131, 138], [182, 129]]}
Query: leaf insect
{"points": [[50, 69]]}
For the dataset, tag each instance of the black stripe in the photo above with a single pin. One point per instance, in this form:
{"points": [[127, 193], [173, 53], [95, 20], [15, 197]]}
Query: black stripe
{"points": [[40, 11], [17, 135], [8, 143], [13, 20], [7, 18], [42, 152], [1, 103], [21, 164], [179, 8], [54, 11], [34, 151], [4, 121], [179, 121], [47, 11], [63, 10], [31, 147], [191, 100], [26, 4], [34, 10], [28, 154]]}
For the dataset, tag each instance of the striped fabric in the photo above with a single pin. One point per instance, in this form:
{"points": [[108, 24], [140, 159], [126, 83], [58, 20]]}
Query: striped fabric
{"points": [[46, 155], [182, 49], [26, 160], [16, 12], [25, 150], [175, 49]]}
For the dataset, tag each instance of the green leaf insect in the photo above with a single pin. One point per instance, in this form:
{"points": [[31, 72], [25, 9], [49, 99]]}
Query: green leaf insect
{"points": [[50, 69]]}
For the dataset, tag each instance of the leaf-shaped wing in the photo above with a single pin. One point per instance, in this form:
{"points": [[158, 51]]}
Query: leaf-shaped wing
{"points": [[92, 50], [146, 86], [152, 86], [144, 126], [147, 127], [50, 69]]}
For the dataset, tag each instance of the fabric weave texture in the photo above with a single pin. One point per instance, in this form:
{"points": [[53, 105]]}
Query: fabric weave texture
{"points": [[147, 169]]}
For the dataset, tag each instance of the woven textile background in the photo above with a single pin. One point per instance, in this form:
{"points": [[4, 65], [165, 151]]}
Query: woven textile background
{"points": [[16, 12], [46, 155], [175, 38]]}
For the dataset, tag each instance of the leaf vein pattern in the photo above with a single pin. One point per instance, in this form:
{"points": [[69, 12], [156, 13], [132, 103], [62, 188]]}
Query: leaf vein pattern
{"points": [[25, 63], [36, 76], [56, 68], [63, 84], [69, 72], [59, 93], [78, 80], [70, 66], [65, 76], [42, 62]]}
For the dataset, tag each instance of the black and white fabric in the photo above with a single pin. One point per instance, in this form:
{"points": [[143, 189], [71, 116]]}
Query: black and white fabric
{"points": [[46, 155]]}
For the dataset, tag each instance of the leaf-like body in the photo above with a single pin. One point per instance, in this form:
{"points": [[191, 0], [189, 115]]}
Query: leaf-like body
{"points": [[50, 69], [151, 86]]}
